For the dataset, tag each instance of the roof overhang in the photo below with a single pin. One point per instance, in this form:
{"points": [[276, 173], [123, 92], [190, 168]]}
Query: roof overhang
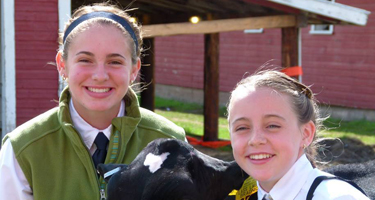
{"points": [[329, 11], [170, 17]]}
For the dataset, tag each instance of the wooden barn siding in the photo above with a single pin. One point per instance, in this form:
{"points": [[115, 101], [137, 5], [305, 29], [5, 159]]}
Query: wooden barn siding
{"points": [[36, 24], [340, 67]]}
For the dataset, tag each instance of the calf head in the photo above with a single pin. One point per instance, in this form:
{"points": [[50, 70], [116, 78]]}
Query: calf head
{"points": [[172, 169]]}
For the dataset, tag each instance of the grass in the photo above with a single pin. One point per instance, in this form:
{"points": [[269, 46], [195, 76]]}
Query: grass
{"points": [[190, 117], [193, 123], [360, 129]]}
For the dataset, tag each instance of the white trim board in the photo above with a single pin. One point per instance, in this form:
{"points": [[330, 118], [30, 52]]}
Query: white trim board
{"points": [[8, 67], [64, 15], [329, 9]]}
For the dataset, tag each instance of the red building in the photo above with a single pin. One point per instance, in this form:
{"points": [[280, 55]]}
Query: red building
{"points": [[340, 66]]}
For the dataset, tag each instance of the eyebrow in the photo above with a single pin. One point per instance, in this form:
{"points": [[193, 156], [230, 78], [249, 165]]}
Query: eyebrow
{"points": [[108, 56], [85, 52], [267, 116], [274, 115], [115, 55], [240, 119]]}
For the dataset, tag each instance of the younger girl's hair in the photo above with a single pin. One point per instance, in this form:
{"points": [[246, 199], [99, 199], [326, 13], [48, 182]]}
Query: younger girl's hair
{"points": [[302, 99], [102, 7]]}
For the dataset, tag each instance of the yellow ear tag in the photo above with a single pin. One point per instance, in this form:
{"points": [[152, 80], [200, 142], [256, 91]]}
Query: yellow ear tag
{"points": [[248, 188]]}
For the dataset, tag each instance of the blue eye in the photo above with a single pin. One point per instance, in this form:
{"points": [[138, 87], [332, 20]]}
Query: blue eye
{"points": [[273, 126], [115, 63], [84, 60], [241, 128]]}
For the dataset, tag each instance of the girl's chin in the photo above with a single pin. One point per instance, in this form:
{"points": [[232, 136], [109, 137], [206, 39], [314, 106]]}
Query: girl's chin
{"points": [[99, 108], [261, 176]]}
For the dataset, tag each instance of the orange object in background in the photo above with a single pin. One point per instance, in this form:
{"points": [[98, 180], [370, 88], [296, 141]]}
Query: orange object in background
{"points": [[293, 71], [211, 144]]}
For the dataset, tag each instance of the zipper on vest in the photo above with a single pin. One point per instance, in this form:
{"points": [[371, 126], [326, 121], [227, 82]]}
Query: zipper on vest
{"points": [[102, 194], [101, 181]]}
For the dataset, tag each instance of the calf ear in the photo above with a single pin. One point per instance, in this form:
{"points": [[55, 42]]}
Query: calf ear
{"points": [[107, 170]]}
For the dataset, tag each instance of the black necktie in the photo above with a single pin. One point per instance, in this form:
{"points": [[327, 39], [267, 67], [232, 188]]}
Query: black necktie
{"points": [[101, 142]]}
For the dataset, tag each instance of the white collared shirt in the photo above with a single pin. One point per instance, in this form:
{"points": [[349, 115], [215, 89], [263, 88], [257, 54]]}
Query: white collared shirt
{"points": [[87, 132], [13, 183], [295, 184]]}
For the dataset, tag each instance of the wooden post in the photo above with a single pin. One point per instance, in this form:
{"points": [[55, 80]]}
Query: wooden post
{"points": [[289, 47], [211, 86], [148, 71], [147, 76]]}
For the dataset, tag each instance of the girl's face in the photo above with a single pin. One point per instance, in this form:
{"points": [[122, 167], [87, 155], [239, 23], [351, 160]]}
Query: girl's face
{"points": [[266, 136], [98, 69]]}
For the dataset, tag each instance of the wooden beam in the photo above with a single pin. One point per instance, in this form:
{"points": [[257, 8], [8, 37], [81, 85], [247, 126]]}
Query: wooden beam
{"points": [[216, 26], [211, 86], [147, 77], [289, 47]]}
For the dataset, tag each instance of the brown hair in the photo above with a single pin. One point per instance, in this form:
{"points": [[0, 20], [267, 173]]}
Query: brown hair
{"points": [[106, 7], [302, 99]]}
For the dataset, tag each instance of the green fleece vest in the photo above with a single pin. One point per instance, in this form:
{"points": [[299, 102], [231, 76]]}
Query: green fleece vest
{"points": [[57, 163]]}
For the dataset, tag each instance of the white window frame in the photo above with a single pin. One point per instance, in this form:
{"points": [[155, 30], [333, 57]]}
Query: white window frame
{"points": [[315, 29], [259, 30], [319, 29]]}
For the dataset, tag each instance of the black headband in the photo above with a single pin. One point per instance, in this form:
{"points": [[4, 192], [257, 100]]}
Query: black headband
{"points": [[102, 14]]}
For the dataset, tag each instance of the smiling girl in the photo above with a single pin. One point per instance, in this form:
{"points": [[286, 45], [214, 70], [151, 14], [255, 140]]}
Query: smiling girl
{"points": [[273, 121], [98, 119]]}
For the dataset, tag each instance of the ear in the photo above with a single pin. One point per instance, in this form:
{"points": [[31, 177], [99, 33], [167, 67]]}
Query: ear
{"points": [[134, 71], [308, 133], [60, 64]]}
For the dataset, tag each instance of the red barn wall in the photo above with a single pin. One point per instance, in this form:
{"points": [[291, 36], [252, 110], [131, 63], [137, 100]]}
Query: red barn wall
{"points": [[179, 59], [36, 25], [340, 67]]}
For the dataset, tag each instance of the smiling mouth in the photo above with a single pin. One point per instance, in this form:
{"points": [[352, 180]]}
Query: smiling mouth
{"points": [[260, 156], [98, 90]]}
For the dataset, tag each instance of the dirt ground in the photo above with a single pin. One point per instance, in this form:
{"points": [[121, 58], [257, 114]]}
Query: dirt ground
{"points": [[330, 152]]}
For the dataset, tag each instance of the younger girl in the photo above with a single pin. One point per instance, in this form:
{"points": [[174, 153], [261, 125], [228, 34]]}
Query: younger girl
{"points": [[273, 121]]}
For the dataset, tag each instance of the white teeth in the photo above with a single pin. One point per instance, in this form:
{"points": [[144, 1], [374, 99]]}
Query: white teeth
{"points": [[260, 156], [98, 90]]}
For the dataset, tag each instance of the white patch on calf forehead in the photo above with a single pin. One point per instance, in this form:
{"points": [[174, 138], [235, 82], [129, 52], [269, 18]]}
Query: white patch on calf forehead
{"points": [[155, 161]]}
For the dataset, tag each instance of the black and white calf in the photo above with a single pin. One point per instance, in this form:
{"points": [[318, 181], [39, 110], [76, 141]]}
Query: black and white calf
{"points": [[169, 169]]}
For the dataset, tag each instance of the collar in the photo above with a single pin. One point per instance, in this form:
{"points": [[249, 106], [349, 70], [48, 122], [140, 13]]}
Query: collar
{"points": [[292, 182], [87, 132]]}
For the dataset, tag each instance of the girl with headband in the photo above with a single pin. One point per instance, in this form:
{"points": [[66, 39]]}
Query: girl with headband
{"points": [[273, 121], [98, 119]]}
